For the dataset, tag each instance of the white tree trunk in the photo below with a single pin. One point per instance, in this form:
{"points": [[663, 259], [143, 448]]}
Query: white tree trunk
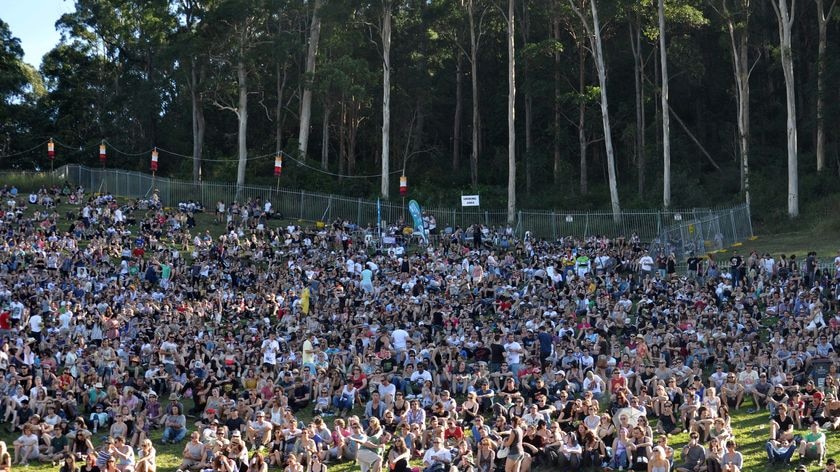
{"points": [[666, 121], [242, 114], [511, 207], [594, 33], [785, 19], [306, 100], [822, 22], [739, 42], [386, 96]]}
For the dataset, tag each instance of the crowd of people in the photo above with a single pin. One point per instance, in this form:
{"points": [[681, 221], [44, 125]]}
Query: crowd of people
{"points": [[297, 348]]}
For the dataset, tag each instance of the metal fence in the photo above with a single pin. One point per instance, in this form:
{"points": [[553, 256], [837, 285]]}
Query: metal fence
{"points": [[696, 230]]}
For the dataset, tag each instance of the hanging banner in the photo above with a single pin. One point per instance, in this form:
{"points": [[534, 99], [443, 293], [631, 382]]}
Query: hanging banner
{"points": [[154, 164], [403, 186], [278, 166], [102, 154], [51, 149], [417, 216]]}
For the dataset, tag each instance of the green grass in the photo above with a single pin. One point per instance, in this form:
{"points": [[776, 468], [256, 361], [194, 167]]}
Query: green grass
{"points": [[751, 429]]}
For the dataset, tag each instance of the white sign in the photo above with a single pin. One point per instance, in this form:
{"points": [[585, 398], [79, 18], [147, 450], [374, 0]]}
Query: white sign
{"points": [[469, 200]]}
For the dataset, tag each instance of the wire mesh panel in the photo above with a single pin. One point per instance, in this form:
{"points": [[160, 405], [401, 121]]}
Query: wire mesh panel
{"points": [[682, 231]]}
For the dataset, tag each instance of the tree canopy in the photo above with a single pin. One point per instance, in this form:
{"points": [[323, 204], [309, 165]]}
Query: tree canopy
{"points": [[146, 73]]}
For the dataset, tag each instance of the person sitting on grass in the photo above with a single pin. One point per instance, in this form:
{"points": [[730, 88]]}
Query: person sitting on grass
{"points": [[693, 455], [5, 458], [26, 447], [194, 453], [812, 446], [667, 421], [175, 426], [259, 431], [781, 426]]}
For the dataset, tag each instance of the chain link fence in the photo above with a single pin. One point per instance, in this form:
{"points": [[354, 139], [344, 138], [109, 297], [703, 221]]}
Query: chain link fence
{"points": [[685, 231]]}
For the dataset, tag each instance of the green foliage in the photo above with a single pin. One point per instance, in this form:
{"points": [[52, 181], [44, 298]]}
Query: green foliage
{"points": [[127, 71]]}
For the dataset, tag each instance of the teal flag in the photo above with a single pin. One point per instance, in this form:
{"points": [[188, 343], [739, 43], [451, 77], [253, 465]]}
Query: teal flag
{"points": [[417, 216]]}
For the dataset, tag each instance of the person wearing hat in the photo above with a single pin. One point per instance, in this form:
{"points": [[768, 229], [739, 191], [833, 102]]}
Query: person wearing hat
{"points": [[99, 417], [776, 398], [259, 431]]}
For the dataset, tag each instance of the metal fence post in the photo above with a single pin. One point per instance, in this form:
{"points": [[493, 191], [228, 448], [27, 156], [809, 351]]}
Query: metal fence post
{"points": [[734, 228], [300, 208], [749, 219]]}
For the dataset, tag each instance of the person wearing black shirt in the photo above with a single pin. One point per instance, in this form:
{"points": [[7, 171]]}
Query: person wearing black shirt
{"points": [[477, 236], [300, 396], [692, 264], [90, 463], [736, 263], [497, 353], [481, 353], [781, 426], [234, 423]]}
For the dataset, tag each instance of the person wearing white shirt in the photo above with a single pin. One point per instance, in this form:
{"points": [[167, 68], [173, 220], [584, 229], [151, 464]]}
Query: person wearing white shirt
{"points": [[437, 455], [513, 352], [400, 339], [36, 325], [646, 264]]}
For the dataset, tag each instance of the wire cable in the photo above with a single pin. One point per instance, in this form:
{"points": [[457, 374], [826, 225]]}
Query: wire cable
{"points": [[300, 162], [20, 153]]}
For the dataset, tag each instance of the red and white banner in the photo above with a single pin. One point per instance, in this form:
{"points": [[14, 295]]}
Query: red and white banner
{"points": [[403, 186], [154, 164], [51, 149], [278, 166], [102, 154]]}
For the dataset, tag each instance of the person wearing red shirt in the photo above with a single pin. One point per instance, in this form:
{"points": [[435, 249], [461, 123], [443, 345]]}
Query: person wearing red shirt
{"points": [[5, 322]]}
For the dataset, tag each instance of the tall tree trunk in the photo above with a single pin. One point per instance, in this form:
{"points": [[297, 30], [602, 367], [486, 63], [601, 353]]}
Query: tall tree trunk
{"points": [[325, 137], [557, 94], [306, 100], [785, 19], [242, 114], [583, 144], [197, 123], [594, 33], [386, 97], [739, 42], [666, 118], [456, 125], [278, 110], [476, 119], [511, 206], [638, 74], [822, 21]]}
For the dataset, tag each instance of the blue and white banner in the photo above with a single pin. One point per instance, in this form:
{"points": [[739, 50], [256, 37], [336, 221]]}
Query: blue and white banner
{"points": [[417, 216]]}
